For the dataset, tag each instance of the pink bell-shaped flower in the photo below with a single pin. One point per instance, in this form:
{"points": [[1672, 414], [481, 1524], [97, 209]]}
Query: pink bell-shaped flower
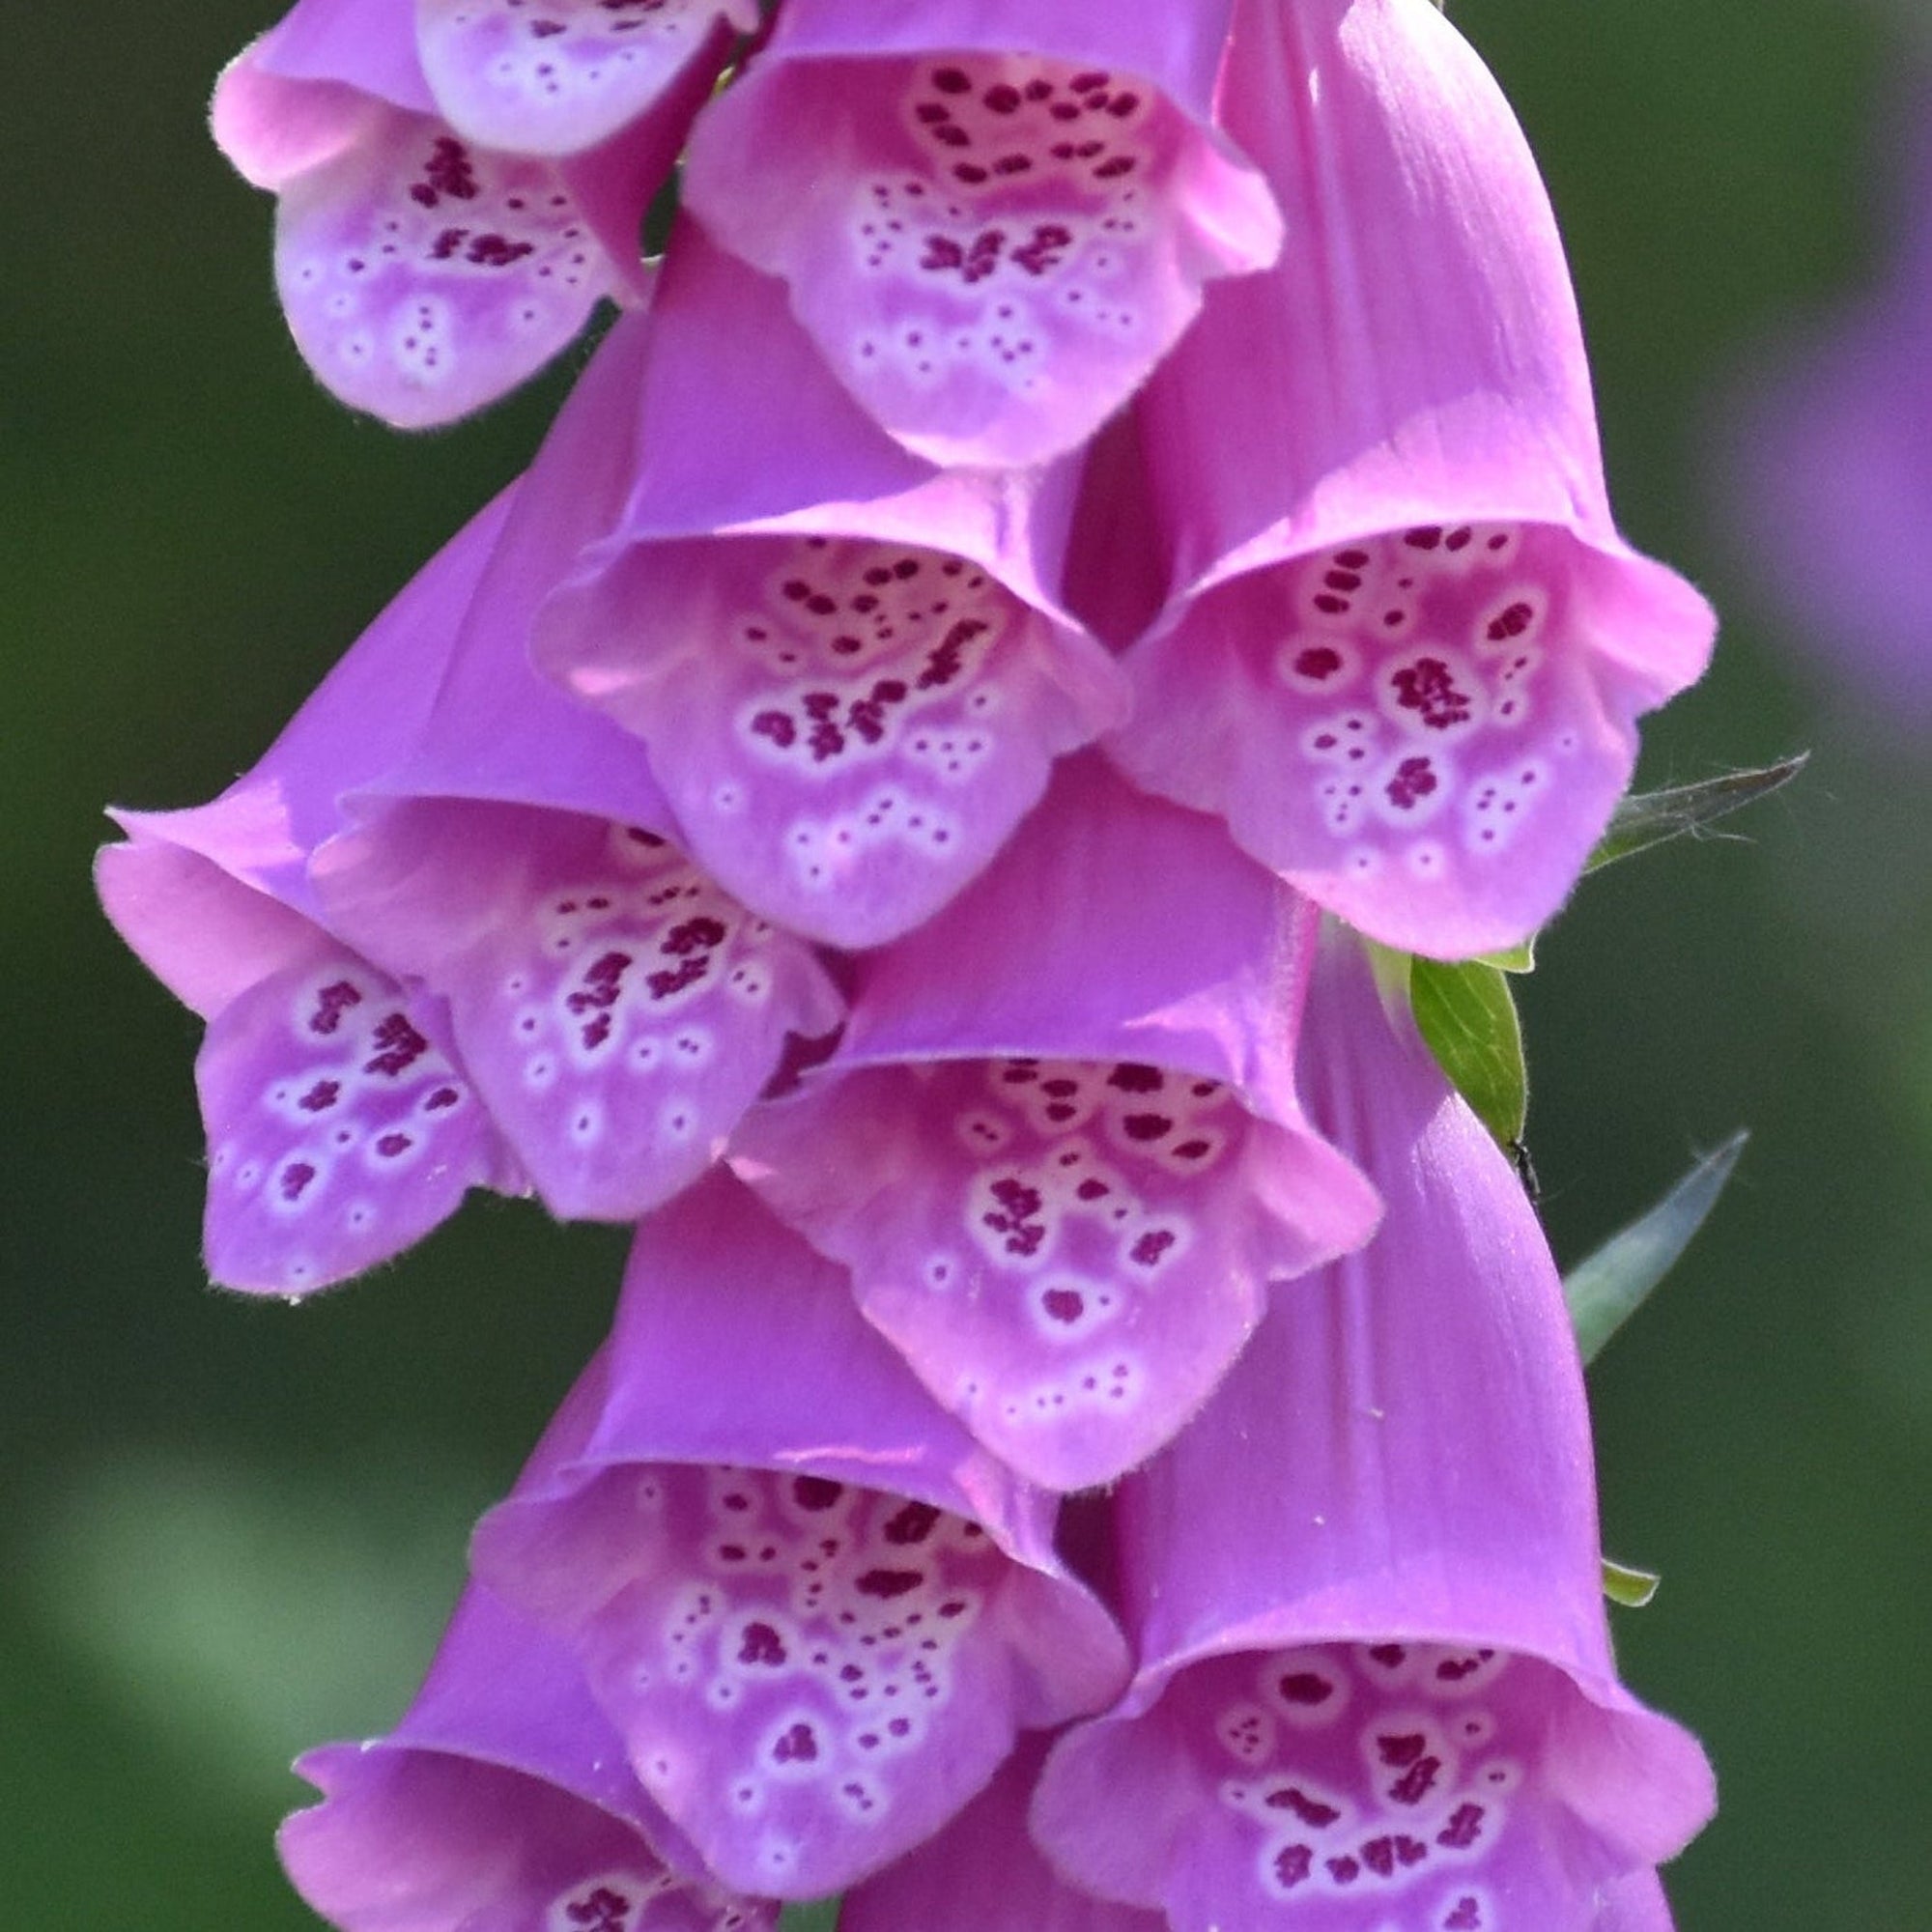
{"points": [[995, 218], [816, 1610], [1403, 647], [1375, 1678]]}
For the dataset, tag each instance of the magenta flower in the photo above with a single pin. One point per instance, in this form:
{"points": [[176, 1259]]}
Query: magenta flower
{"points": [[440, 237], [817, 1611], [846, 666], [1405, 646], [1829, 470], [994, 219], [1374, 1675], [1060, 1146], [501, 1802], [505, 915]]}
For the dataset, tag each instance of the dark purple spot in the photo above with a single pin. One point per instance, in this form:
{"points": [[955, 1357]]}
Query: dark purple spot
{"points": [[951, 80], [443, 1098], [1064, 1304], [320, 1097], [911, 1522], [296, 1178], [1467, 1916], [1417, 1781], [1307, 1688], [1390, 1655], [1429, 687], [1414, 780], [1150, 1247], [1145, 1126], [1318, 661], [1292, 1865], [1310, 1810], [331, 1003], [393, 1146], [1131, 1077], [799, 1745], [1465, 1824], [761, 1644], [1512, 621], [1401, 1748], [889, 1583], [398, 1047], [1343, 1870], [816, 1493]]}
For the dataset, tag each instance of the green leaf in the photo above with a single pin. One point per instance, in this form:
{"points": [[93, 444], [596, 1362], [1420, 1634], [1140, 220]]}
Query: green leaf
{"points": [[1632, 1588], [1468, 1014], [1512, 958], [820, 1915], [1608, 1288], [1650, 817]]}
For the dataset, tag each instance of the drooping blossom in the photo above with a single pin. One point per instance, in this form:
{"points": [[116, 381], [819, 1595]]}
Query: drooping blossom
{"points": [[846, 666], [993, 219], [1405, 646], [501, 1802], [815, 1609], [1060, 1146], [1374, 1681], [497, 970], [1829, 470], [617, 1007], [441, 236], [339, 1128]]}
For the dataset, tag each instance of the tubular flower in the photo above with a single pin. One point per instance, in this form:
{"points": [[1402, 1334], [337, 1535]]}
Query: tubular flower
{"points": [[845, 664], [1375, 1678], [440, 236], [1060, 1146], [998, 218], [505, 918], [1405, 647], [502, 1801], [815, 1609]]}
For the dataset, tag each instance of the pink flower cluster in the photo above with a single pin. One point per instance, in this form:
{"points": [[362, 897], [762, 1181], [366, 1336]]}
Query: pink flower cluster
{"points": [[1096, 515]]}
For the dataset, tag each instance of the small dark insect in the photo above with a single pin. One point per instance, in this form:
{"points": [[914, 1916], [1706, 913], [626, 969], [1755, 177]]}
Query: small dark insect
{"points": [[1525, 1170]]}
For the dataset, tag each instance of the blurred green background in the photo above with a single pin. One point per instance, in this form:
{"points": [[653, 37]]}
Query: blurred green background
{"points": [[230, 1530]]}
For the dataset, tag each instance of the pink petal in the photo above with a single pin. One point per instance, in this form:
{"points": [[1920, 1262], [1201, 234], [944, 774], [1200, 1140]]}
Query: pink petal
{"points": [[618, 1011], [573, 73], [995, 224], [1411, 372], [1068, 1224], [818, 1648], [849, 680], [1425, 731], [423, 276], [338, 1134], [313, 84]]}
